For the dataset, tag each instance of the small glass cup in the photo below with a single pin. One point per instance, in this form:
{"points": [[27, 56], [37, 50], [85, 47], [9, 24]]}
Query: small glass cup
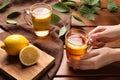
{"points": [[77, 44], [40, 14]]}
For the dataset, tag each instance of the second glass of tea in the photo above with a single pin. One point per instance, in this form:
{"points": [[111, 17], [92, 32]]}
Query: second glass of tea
{"points": [[40, 18], [77, 44]]}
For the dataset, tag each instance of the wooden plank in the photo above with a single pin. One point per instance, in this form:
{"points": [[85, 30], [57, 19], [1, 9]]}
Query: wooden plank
{"points": [[86, 78], [12, 67], [104, 17], [109, 70]]}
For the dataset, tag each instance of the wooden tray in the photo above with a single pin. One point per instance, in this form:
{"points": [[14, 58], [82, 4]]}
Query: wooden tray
{"points": [[12, 67]]}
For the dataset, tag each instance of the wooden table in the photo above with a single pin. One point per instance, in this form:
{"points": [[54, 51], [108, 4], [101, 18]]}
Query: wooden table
{"points": [[109, 72], [65, 73]]}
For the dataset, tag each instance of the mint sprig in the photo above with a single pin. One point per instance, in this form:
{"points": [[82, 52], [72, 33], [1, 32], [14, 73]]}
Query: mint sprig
{"points": [[87, 9], [112, 6]]}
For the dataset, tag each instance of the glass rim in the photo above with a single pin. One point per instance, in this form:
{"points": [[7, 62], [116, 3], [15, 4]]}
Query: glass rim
{"points": [[84, 32], [49, 7]]}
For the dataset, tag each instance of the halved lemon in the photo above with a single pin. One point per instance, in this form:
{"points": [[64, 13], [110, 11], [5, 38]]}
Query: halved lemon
{"points": [[29, 55]]}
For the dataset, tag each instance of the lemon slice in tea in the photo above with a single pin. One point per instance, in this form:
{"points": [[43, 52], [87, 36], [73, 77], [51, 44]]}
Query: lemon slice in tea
{"points": [[29, 55]]}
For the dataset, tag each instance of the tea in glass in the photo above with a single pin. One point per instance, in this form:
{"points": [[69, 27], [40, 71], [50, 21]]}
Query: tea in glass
{"points": [[40, 18], [76, 46]]}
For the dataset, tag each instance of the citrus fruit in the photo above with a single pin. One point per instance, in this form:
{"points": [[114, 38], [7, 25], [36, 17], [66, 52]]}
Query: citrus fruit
{"points": [[29, 55], [14, 43]]}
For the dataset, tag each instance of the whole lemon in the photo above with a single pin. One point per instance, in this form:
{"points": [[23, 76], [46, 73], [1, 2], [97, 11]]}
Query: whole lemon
{"points": [[14, 43]]}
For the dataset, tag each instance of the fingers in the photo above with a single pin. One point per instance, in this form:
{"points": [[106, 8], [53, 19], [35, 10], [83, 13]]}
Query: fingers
{"points": [[97, 29], [97, 36], [97, 32], [98, 44], [88, 55], [87, 64], [87, 61], [90, 63]]}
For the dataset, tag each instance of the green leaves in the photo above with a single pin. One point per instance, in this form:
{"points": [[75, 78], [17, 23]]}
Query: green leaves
{"points": [[60, 7], [77, 18], [11, 21], [4, 4], [69, 3], [89, 8], [13, 14], [88, 12], [55, 19], [112, 6], [90, 2], [62, 31], [93, 2]]}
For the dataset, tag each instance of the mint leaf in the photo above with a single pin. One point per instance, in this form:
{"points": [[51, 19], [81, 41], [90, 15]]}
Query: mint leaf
{"points": [[112, 6], [78, 19], [90, 2], [108, 1], [55, 19], [89, 16], [93, 2], [4, 4], [11, 21], [95, 9], [87, 12], [62, 31], [60, 7], [13, 14], [70, 3]]}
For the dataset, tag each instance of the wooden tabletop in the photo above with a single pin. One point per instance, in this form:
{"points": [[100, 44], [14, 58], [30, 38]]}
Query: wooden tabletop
{"points": [[87, 78], [109, 72]]}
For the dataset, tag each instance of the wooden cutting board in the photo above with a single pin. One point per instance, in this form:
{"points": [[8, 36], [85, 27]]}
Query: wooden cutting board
{"points": [[12, 67]]}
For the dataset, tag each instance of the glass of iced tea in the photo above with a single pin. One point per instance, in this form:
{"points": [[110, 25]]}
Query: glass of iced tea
{"points": [[40, 18], [77, 44]]}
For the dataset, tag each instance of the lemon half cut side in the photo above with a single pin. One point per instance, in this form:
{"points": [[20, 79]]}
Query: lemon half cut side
{"points": [[29, 55]]}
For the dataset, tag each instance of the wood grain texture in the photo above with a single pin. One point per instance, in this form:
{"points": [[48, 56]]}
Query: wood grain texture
{"points": [[109, 70], [11, 66], [104, 17], [87, 78]]}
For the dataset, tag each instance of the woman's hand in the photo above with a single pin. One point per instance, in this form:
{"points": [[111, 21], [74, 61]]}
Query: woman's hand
{"points": [[104, 34], [98, 58]]}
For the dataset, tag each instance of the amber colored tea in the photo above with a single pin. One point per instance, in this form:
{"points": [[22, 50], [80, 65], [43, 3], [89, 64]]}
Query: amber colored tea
{"points": [[75, 46], [41, 18]]}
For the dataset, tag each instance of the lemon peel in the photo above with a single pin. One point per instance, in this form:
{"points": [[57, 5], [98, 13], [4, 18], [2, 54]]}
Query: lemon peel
{"points": [[14, 43]]}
